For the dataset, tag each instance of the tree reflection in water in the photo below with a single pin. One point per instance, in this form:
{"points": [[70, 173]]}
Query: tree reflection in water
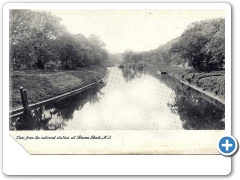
{"points": [[131, 73], [55, 115], [195, 112], [36, 120]]}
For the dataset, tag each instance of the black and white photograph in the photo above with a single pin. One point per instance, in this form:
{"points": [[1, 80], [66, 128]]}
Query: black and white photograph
{"points": [[89, 74]]}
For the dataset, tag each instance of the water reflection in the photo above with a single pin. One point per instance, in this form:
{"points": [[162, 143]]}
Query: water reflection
{"points": [[195, 112], [35, 120], [131, 73], [131, 100], [54, 116]]}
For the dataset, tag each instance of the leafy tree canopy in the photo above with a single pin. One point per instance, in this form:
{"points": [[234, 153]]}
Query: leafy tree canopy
{"points": [[38, 40], [203, 45]]}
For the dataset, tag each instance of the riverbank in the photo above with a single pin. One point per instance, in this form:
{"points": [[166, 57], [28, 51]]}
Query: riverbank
{"points": [[211, 83], [44, 84]]}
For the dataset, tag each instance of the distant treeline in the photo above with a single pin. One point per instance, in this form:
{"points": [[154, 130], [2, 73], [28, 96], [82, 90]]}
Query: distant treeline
{"points": [[201, 46], [39, 41]]}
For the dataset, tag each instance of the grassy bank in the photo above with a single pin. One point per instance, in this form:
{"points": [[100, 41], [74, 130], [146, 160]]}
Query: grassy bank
{"points": [[44, 84], [211, 82]]}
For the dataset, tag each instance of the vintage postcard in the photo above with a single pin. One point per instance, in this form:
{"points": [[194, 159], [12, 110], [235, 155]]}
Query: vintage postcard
{"points": [[89, 80], [118, 79]]}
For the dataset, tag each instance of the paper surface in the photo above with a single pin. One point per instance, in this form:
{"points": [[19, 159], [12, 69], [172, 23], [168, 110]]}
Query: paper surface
{"points": [[118, 142]]}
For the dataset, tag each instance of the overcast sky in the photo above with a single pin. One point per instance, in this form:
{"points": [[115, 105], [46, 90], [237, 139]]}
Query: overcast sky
{"points": [[139, 30]]}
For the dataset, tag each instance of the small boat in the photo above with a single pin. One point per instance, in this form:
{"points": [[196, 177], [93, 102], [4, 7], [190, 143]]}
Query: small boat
{"points": [[121, 66], [161, 72]]}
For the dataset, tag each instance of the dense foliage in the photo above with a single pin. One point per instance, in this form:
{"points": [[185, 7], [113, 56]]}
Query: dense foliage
{"points": [[201, 46], [161, 54], [39, 41]]}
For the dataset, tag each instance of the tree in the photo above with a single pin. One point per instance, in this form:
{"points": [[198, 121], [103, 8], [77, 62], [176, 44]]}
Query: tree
{"points": [[202, 45], [215, 48], [97, 53], [31, 38], [37, 40], [129, 56]]}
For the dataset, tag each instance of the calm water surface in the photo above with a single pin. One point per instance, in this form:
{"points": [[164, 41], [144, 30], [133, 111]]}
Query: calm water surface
{"points": [[130, 100]]}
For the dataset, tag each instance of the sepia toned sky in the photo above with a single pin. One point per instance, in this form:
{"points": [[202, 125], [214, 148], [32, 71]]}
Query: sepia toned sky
{"points": [[139, 30]]}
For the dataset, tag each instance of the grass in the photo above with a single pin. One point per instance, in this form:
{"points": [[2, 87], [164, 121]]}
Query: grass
{"points": [[43, 84], [212, 82]]}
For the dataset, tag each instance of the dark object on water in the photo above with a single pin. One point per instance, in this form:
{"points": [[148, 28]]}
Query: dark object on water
{"points": [[140, 66], [120, 66], [161, 72]]}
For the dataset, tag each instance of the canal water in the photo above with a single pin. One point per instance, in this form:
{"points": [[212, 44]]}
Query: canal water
{"points": [[130, 100]]}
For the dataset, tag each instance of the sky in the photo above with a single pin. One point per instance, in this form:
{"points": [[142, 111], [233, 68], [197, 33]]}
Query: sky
{"points": [[138, 30]]}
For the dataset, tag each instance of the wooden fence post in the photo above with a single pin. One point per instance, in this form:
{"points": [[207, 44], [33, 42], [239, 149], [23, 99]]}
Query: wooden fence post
{"points": [[25, 96], [23, 93]]}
